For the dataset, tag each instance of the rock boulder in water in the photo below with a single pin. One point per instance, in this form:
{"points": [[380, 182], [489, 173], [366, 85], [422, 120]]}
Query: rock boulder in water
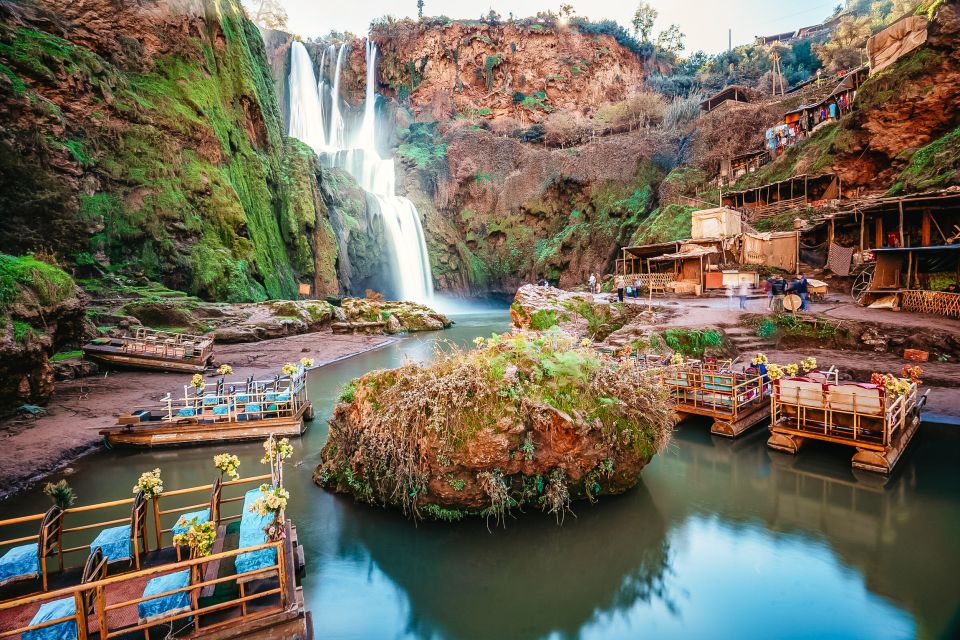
{"points": [[525, 420]]}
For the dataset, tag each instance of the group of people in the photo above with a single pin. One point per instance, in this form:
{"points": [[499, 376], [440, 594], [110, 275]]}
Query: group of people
{"points": [[777, 288], [628, 291]]}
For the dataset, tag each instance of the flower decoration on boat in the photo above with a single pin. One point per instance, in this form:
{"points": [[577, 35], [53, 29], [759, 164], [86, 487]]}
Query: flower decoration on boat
{"points": [[306, 362], [808, 364], [228, 464], [61, 493], [150, 484], [289, 369], [774, 371], [197, 381], [272, 500], [792, 369], [225, 370], [759, 359], [676, 358], [890, 383], [280, 450], [199, 536], [913, 373]]}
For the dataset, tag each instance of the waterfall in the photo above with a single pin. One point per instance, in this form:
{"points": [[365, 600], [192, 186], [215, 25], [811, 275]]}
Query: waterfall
{"points": [[306, 110], [336, 118], [354, 150]]}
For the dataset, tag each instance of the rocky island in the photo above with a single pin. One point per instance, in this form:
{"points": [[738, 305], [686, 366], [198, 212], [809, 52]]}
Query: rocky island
{"points": [[522, 420]]}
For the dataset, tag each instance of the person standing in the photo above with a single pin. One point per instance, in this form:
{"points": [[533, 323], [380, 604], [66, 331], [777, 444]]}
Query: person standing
{"points": [[621, 285], [778, 287], [744, 292], [636, 288], [802, 289], [592, 283]]}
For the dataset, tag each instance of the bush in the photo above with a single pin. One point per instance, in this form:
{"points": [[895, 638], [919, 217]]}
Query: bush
{"points": [[566, 128]]}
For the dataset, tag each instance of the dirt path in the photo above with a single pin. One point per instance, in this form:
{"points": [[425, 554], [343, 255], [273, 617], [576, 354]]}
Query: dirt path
{"points": [[33, 448]]}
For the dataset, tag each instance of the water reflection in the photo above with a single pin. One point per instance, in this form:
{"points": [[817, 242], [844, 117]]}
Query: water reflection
{"points": [[723, 539]]}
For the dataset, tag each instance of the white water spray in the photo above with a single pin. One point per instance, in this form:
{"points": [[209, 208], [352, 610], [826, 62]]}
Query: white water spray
{"points": [[306, 110], [356, 152]]}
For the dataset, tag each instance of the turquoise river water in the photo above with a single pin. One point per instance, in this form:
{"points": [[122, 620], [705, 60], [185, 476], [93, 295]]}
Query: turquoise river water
{"points": [[722, 539]]}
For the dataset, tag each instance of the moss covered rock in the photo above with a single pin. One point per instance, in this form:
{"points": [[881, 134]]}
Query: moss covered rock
{"points": [[398, 316], [527, 420], [40, 312]]}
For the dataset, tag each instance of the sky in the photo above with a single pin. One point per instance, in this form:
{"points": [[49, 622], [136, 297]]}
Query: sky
{"points": [[705, 22]]}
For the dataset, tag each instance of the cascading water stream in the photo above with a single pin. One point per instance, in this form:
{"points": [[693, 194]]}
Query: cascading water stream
{"points": [[356, 152], [306, 109]]}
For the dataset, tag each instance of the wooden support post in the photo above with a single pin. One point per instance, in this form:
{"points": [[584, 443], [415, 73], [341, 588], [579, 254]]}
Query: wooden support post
{"points": [[925, 229], [101, 607], [879, 231], [80, 608], [909, 269], [903, 242], [863, 220], [156, 523]]}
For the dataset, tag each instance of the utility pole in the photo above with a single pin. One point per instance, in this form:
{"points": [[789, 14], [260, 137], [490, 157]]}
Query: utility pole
{"points": [[729, 40]]}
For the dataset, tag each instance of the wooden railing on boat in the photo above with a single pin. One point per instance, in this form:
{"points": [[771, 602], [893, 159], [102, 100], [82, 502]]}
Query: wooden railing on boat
{"points": [[715, 390], [854, 414], [168, 343], [223, 401], [102, 608], [82, 513]]}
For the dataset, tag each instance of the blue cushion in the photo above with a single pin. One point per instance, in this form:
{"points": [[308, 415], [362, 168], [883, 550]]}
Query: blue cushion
{"points": [[221, 410], [170, 604], [241, 398], [20, 562], [54, 611], [252, 408], [283, 397], [187, 412], [210, 400], [252, 533], [114, 542], [201, 516]]}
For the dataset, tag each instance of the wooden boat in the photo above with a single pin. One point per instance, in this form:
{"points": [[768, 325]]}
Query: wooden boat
{"points": [[152, 349], [864, 416], [219, 412], [243, 589], [735, 400]]}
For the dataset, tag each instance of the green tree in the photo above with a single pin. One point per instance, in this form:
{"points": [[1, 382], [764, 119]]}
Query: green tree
{"points": [[671, 39], [266, 13], [643, 19], [845, 49]]}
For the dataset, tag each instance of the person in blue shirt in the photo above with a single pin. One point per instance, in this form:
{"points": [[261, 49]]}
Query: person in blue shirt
{"points": [[801, 288], [833, 110]]}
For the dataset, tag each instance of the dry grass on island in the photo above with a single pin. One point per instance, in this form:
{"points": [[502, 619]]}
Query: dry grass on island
{"points": [[525, 420]]}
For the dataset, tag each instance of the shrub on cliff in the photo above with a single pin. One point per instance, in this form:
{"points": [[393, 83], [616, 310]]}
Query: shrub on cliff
{"points": [[521, 420]]}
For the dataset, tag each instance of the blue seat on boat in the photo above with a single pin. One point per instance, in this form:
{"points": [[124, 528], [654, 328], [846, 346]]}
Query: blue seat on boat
{"points": [[202, 516], [168, 605], [66, 630], [221, 410], [114, 542], [252, 534], [252, 411], [187, 412], [278, 397], [94, 569], [241, 398], [211, 400], [20, 563]]}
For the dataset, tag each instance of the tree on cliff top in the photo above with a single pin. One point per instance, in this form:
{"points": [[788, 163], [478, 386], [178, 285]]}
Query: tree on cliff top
{"points": [[845, 50], [266, 13], [643, 19]]}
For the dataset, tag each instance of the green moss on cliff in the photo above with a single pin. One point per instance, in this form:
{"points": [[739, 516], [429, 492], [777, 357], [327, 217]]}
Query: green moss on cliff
{"points": [[195, 183], [666, 224], [19, 275], [934, 166]]}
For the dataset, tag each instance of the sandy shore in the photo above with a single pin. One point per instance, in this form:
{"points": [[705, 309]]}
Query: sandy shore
{"points": [[31, 449]]}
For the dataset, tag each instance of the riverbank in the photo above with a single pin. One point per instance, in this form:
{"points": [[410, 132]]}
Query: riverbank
{"points": [[33, 448]]}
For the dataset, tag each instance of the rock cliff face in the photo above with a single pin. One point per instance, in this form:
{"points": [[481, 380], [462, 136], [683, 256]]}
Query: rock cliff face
{"points": [[147, 135], [517, 70]]}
